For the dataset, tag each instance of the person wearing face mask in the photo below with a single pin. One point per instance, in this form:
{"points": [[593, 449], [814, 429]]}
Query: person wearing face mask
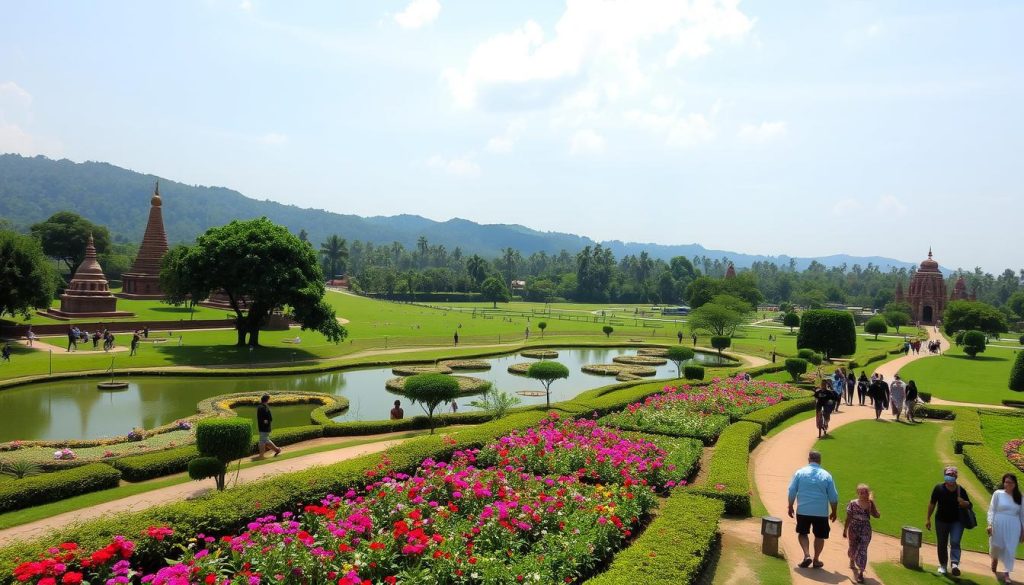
{"points": [[948, 498]]}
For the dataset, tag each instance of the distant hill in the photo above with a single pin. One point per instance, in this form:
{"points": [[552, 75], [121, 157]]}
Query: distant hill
{"points": [[33, 188]]}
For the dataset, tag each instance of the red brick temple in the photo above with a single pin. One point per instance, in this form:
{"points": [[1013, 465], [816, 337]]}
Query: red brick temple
{"points": [[731, 271], [927, 293], [960, 291], [89, 294], [143, 280]]}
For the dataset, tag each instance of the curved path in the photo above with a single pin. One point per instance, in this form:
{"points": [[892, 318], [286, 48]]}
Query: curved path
{"points": [[189, 489], [773, 463]]}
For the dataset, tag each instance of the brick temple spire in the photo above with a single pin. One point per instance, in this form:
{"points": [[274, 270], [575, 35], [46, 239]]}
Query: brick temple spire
{"points": [[143, 280], [88, 294]]}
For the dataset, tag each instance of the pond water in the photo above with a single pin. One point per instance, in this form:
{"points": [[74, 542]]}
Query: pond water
{"points": [[75, 409]]}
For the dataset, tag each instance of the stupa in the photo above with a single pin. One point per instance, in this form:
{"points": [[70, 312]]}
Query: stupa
{"points": [[143, 280], [88, 294], [927, 293]]}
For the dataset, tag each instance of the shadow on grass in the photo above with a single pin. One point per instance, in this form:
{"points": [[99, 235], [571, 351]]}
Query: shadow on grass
{"points": [[979, 358], [214, 355]]}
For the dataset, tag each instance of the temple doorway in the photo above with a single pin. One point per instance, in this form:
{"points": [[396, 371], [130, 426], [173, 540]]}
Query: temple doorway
{"points": [[926, 314]]}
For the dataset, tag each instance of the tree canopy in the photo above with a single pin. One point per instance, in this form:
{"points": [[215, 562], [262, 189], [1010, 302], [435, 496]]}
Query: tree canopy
{"points": [[679, 354], [720, 316], [65, 234], [876, 326], [494, 290], [965, 315], [430, 390], [547, 372], [27, 279], [831, 332], [260, 266]]}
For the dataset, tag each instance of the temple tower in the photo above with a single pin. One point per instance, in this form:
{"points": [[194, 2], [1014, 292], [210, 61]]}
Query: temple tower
{"points": [[143, 280], [927, 293], [959, 290], [88, 294], [730, 272]]}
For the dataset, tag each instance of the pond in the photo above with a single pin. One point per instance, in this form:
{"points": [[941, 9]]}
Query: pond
{"points": [[75, 409]]}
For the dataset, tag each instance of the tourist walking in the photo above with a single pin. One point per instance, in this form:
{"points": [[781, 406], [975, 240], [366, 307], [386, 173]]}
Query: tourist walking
{"points": [[5, 353], [815, 492], [455, 407], [878, 395], [947, 500], [897, 396], [397, 413], [823, 400], [851, 384], [30, 336], [912, 398], [264, 420], [135, 344], [72, 339], [456, 339], [857, 529], [679, 336], [838, 386], [1005, 526], [862, 388]]}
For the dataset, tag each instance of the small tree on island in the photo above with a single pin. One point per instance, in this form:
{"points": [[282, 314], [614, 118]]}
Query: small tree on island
{"points": [[720, 342], [876, 326], [429, 391], [547, 371], [796, 367], [542, 326], [974, 343], [495, 291], [608, 330], [828, 331], [679, 354], [220, 441], [1017, 373], [791, 320]]}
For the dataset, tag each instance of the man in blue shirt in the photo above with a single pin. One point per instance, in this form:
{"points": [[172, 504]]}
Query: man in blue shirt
{"points": [[816, 492]]}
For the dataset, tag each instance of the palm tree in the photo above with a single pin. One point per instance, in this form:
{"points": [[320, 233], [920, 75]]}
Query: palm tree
{"points": [[477, 268], [334, 252]]}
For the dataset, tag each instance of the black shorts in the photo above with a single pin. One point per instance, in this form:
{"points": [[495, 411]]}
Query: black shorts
{"points": [[818, 524]]}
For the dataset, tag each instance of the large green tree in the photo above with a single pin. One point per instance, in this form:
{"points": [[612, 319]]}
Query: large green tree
{"points": [[495, 291], [721, 316], [966, 315], [260, 266], [65, 234], [27, 279], [831, 332]]}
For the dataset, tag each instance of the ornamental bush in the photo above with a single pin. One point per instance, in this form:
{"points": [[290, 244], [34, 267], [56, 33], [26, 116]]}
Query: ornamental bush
{"points": [[207, 467], [828, 331], [547, 371], [225, 439], [728, 476], [796, 367], [608, 330], [430, 390], [814, 358], [693, 372], [679, 354], [974, 343], [1017, 373], [876, 326], [56, 485], [720, 342], [791, 320]]}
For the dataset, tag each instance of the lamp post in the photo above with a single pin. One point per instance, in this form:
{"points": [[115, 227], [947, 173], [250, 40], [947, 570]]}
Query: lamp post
{"points": [[771, 529], [910, 552]]}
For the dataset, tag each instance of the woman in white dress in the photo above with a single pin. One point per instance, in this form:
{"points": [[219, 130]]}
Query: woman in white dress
{"points": [[1005, 526]]}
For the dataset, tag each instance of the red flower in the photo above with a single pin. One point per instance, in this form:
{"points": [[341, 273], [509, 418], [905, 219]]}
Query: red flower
{"points": [[71, 578]]}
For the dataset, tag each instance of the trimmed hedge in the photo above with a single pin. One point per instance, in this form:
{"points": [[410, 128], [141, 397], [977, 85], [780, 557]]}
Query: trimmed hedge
{"points": [[771, 416], [854, 364], [693, 372], [988, 465], [935, 412], [728, 476], [673, 549], [413, 423], [967, 429], [58, 485], [769, 369], [158, 464], [1017, 372]]}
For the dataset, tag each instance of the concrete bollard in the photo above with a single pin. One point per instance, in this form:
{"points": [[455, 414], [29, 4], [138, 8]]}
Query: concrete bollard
{"points": [[910, 553], [771, 529]]}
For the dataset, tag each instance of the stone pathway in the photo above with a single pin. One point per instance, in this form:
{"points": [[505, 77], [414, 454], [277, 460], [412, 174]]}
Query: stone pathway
{"points": [[773, 463], [193, 489]]}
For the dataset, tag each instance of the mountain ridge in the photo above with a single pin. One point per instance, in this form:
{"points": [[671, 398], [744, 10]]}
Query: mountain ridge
{"points": [[33, 188]]}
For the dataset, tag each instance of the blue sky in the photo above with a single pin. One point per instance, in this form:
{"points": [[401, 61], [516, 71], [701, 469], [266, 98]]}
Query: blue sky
{"points": [[774, 127]]}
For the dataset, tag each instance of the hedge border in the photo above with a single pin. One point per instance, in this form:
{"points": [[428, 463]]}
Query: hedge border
{"points": [[58, 485], [772, 416], [729, 468], [988, 465]]}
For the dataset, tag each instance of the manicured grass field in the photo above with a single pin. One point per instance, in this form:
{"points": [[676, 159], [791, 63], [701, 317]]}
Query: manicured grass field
{"points": [[734, 563], [955, 376], [901, 463], [893, 574], [144, 311], [998, 430]]}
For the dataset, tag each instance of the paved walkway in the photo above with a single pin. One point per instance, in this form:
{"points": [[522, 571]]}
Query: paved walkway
{"points": [[773, 463], [193, 489]]}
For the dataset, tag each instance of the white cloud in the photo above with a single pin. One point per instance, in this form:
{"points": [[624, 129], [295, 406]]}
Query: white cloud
{"points": [[460, 166], [586, 142], [506, 141], [418, 14], [680, 129], [246, 5], [273, 139], [13, 95], [844, 207], [762, 133], [890, 205], [16, 119]]}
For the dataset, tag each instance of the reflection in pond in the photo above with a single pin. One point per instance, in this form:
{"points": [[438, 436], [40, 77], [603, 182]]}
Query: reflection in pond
{"points": [[75, 409]]}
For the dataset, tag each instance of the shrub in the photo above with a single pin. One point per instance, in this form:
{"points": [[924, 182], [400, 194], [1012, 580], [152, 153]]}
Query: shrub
{"points": [[876, 326], [933, 412], [988, 465], [158, 464], [57, 485], [728, 476], [771, 416], [497, 402], [21, 469], [431, 390], [1017, 373], [207, 467], [679, 354], [608, 330], [812, 357], [720, 342], [226, 439], [791, 320], [830, 332], [547, 372], [967, 429], [542, 326], [974, 343], [796, 366], [958, 339], [673, 549], [693, 372]]}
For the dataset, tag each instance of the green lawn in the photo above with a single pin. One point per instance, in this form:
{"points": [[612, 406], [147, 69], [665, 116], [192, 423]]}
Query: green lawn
{"points": [[998, 430], [901, 463], [955, 376], [737, 562], [144, 311], [893, 574]]}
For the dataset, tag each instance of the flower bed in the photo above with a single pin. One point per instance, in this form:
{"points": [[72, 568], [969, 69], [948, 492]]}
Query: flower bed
{"points": [[1014, 453], [640, 360]]}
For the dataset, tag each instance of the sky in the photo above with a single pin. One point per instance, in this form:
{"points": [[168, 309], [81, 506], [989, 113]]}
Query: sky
{"points": [[757, 126]]}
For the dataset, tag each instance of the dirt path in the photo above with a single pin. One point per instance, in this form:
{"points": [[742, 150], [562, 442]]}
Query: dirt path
{"points": [[777, 458], [191, 489]]}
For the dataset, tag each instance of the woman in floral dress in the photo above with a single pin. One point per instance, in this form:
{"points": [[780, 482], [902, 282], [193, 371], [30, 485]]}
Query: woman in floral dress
{"points": [[857, 529]]}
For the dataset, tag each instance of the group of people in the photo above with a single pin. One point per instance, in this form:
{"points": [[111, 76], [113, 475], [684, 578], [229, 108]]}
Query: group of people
{"points": [[915, 346], [898, 396], [814, 492], [76, 335]]}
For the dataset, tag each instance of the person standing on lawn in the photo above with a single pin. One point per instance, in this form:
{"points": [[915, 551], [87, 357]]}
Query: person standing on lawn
{"points": [[1005, 525], [857, 529], [263, 422], [949, 498], [815, 490]]}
